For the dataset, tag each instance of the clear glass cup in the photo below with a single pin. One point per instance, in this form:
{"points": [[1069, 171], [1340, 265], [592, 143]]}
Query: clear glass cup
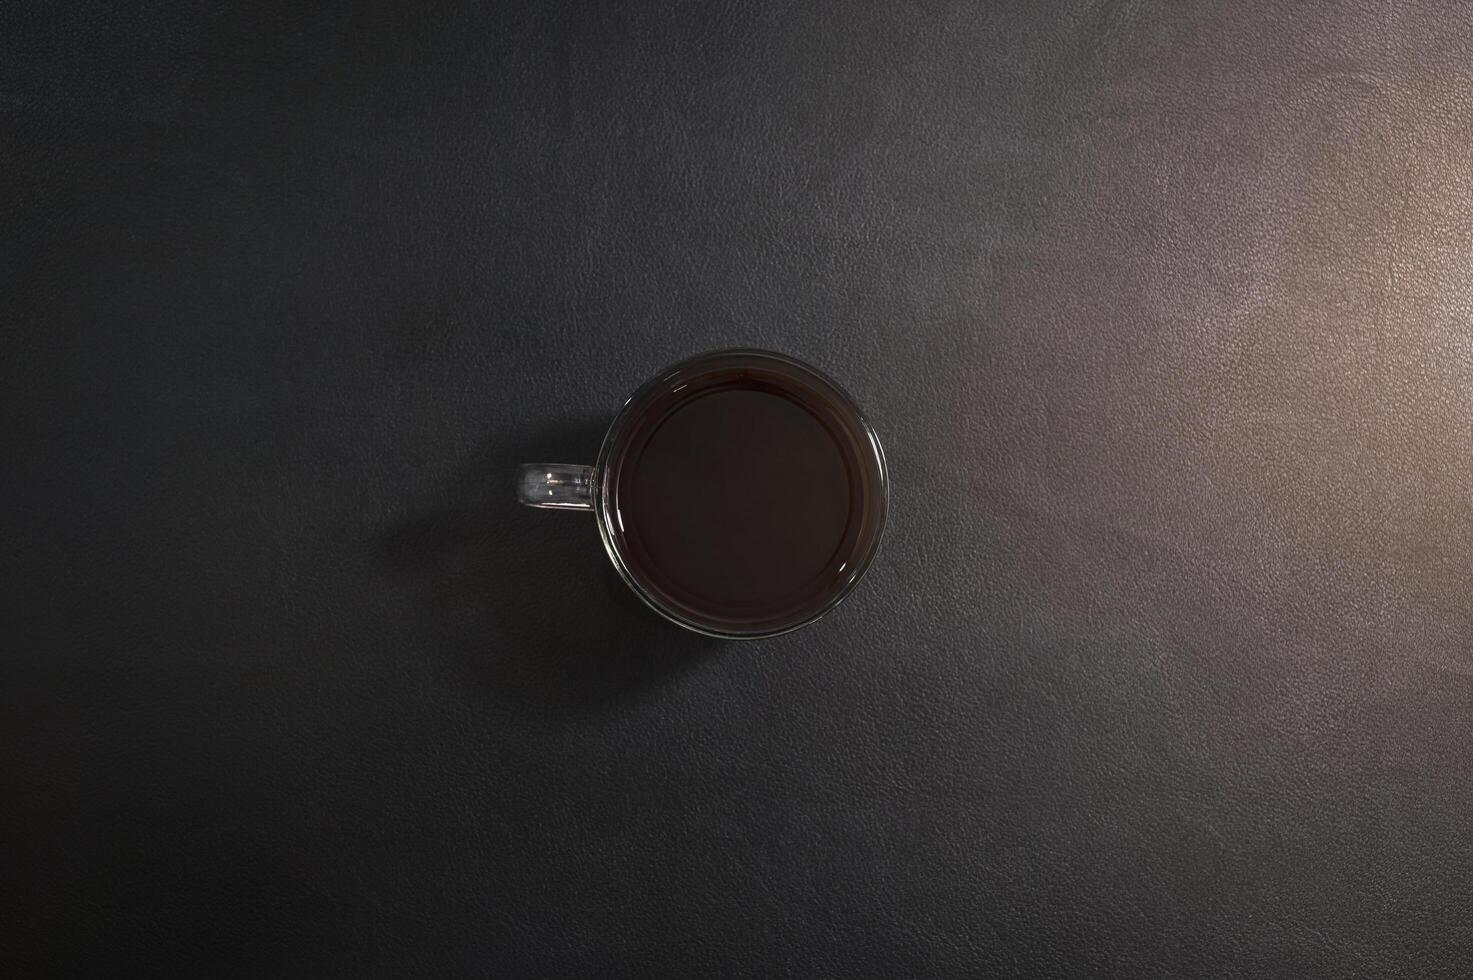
{"points": [[847, 500]]}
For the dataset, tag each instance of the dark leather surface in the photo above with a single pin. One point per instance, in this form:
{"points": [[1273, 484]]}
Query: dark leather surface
{"points": [[1164, 312]]}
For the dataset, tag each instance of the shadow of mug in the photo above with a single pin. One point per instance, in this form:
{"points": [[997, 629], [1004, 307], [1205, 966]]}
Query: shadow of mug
{"points": [[525, 601]]}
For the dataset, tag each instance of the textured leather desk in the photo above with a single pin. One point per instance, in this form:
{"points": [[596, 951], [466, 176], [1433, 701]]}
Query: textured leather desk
{"points": [[1165, 313]]}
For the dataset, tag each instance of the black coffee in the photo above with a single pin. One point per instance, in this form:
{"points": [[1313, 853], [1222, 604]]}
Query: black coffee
{"points": [[745, 493]]}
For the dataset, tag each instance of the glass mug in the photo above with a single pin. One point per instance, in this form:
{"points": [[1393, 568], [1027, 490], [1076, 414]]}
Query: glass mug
{"points": [[739, 493]]}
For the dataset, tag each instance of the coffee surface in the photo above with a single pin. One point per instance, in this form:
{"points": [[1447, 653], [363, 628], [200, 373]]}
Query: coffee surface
{"points": [[738, 500]]}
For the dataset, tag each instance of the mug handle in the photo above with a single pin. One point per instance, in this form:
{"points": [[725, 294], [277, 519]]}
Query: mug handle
{"points": [[559, 486]]}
